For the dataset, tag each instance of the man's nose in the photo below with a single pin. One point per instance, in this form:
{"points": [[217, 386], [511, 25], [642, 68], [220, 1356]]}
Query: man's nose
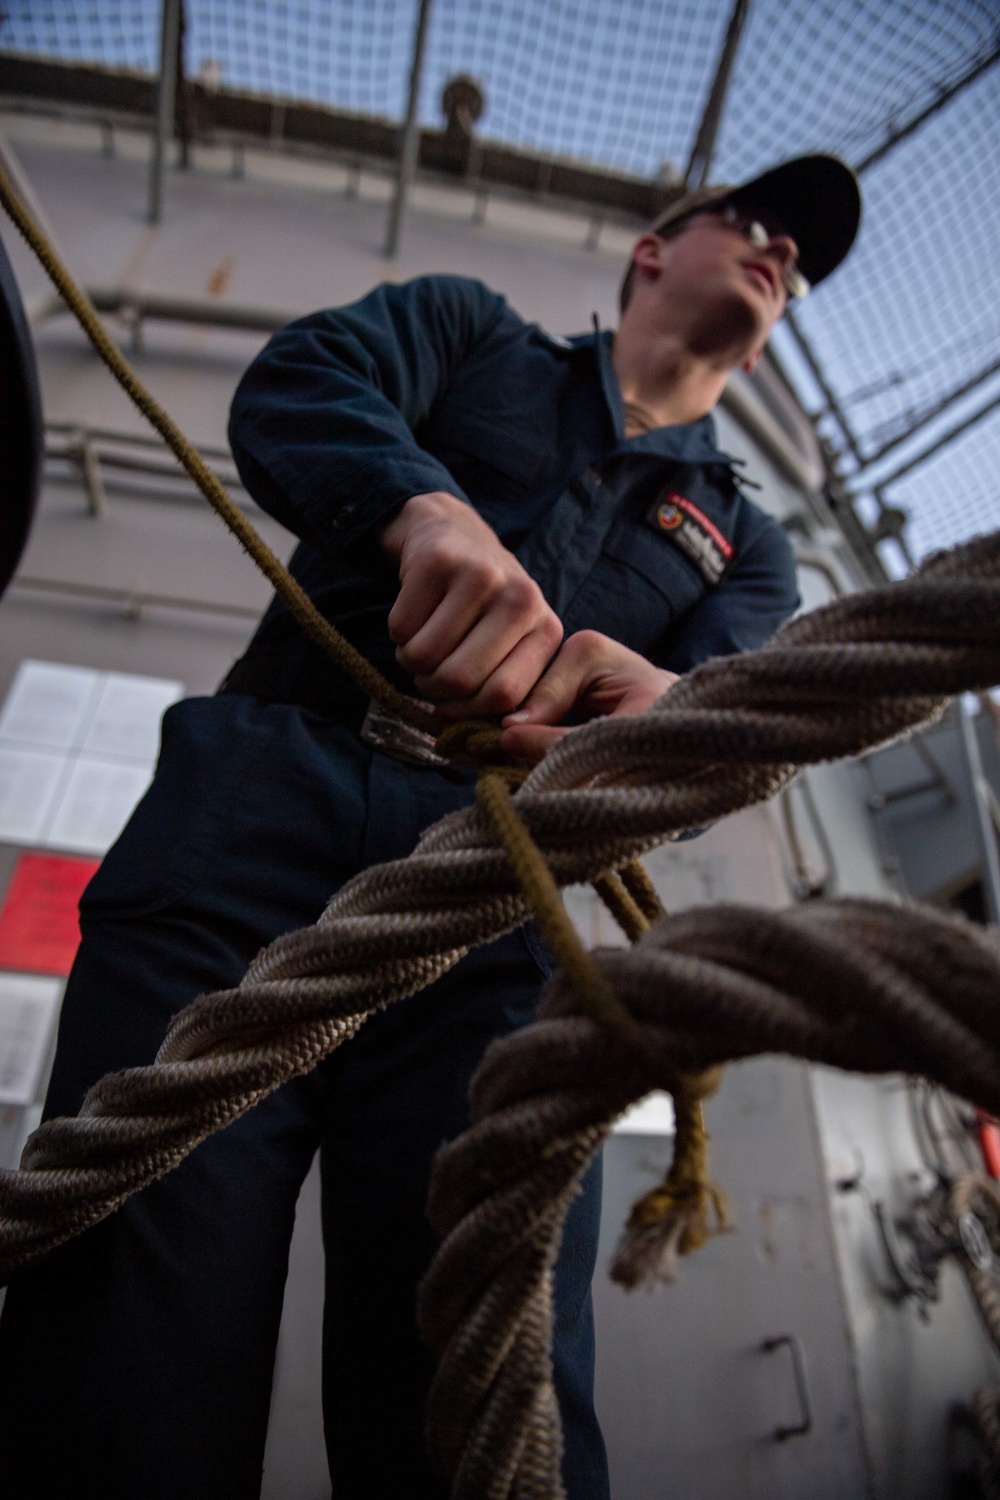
{"points": [[784, 249]]}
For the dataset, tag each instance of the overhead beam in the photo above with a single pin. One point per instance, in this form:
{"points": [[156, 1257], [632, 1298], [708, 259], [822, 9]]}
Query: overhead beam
{"points": [[943, 98], [703, 150], [939, 443], [833, 405], [937, 410]]}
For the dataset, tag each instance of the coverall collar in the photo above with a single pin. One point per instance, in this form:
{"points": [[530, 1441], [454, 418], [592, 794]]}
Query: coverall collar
{"points": [[690, 442]]}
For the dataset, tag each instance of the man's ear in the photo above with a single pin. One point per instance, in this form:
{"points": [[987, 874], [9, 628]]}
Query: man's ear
{"points": [[647, 252], [752, 361]]}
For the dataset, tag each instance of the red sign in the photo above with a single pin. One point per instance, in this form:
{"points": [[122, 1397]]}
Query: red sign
{"points": [[39, 926]]}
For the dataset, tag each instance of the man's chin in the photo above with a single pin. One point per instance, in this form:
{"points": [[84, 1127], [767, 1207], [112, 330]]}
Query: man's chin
{"points": [[733, 327]]}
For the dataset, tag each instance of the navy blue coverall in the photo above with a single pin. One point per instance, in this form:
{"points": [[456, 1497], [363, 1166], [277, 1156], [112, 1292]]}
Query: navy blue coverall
{"points": [[135, 1362]]}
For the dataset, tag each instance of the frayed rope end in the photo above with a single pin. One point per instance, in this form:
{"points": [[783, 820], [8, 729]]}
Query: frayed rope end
{"points": [[675, 1218], [665, 1224]]}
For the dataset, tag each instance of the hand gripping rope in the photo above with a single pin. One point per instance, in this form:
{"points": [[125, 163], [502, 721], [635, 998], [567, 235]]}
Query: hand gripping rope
{"points": [[867, 985]]}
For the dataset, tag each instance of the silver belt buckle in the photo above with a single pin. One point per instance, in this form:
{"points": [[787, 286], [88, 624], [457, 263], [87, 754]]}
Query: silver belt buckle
{"points": [[386, 732]]}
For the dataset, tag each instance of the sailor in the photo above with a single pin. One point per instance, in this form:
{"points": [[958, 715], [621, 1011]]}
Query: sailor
{"points": [[509, 524]]}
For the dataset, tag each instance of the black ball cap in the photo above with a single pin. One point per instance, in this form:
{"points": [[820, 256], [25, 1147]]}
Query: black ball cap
{"points": [[816, 198]]}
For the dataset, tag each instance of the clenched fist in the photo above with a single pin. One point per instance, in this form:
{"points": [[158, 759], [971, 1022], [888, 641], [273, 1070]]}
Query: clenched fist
{"points": [[470, 625]]}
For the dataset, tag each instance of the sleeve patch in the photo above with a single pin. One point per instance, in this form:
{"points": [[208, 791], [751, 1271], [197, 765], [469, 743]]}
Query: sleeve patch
{"points": [[692, 531]]}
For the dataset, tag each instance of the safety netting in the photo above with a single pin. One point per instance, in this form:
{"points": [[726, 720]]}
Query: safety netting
{"points": [[906, 334]]}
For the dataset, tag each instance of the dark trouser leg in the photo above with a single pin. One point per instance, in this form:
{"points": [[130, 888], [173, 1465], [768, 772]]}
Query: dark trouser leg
{"points": [[585, 1465], [396, 1093], [136, 1361]]}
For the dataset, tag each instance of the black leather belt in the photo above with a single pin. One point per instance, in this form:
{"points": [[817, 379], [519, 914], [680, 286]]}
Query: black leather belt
{"points": [[313, 684], [319, 687]]}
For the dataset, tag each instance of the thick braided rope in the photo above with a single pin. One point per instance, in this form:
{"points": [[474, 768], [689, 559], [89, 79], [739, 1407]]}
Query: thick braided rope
{"points": [[832, 683], [301, 606], [866, 985]]}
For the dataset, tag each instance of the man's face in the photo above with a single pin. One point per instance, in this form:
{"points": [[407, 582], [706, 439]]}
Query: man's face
{"points": [[729, 290]]}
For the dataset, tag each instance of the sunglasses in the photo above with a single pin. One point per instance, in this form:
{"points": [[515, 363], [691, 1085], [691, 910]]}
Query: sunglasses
{"points": [[760, 232]]}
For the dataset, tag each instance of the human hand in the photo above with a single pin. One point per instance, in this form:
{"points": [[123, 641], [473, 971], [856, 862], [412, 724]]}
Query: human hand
{"points": [[593, 675], [469, 623]]}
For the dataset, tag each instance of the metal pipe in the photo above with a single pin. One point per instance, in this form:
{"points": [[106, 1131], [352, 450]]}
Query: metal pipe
{"points": [[984, 821], [740, 398], [832, 404], [130, 439], [130, 464], [135, 598], [942, 99], [820, 565], [411, 136], [86, 448], [170, 31], [89, 461], [205, 312], [182, 96], [700, 163], [939, 443]]}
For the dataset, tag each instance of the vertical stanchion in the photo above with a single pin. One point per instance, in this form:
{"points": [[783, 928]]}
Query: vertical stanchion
{"points": [[411, 136], [703, 149], [170, 30], [984, 821]]}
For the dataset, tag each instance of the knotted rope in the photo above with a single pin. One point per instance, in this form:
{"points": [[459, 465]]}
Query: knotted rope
{"points": [[675, 1217], [832, 683], [865, 985]]}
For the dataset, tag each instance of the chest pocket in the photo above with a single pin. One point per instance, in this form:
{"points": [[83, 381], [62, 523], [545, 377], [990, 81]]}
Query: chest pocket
{"points": [[638, 588], [657, 560]]}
